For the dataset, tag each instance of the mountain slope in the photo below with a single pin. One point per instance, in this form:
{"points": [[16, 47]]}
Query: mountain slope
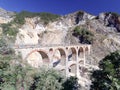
{"points": [[105, 27]]}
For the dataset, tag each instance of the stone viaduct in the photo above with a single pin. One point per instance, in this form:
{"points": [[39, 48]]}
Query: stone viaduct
{"points": [[68, 59]]}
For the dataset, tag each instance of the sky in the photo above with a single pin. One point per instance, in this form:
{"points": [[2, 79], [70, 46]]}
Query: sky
{"points": [[62, 7]]}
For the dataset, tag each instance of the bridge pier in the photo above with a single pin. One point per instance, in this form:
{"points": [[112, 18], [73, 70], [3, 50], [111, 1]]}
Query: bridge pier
{"points": [[66, 67], [77, 62], [84, 56]]}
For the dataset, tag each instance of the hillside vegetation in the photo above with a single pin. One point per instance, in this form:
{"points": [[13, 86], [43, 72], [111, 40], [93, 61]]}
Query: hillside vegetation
{"points": [[45, 17], [102, 32], [108, 77], [85, 36], [10, 29]]}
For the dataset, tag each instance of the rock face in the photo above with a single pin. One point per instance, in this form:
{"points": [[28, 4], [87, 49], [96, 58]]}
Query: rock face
{"points": [[105, 27], [6, 16]]}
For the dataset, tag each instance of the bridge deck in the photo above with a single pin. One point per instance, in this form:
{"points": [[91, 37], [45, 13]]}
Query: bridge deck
{"points": [[22, 46]]}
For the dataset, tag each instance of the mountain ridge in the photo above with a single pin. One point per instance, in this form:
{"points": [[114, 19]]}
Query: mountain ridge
{"points": [[102, 32]]}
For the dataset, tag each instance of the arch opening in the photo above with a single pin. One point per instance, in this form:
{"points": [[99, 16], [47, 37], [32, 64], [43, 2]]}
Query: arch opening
{"points": [[81, 62], [59, 57], [83, 71], [86, 50], [50, 50], [72, 54], [44, 57], [72, 70], [37, 58], [87, 61], [81, 52]]}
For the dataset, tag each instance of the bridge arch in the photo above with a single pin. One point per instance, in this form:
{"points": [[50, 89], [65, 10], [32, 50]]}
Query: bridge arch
{"points": [[38, 58], [51, 50], [88, 61], [59, 57], [72, 54], [83, 71], [81, 52], [81, 62], [72, 70], [63, 71], [86, 50]]}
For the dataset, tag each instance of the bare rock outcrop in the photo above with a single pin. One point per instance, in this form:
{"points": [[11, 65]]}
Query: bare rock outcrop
{"points": [[6, 16], [105, 28]]}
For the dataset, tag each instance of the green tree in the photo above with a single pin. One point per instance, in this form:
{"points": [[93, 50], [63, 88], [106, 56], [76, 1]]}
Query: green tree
{"points": [[108, 77], [71, 84], [8, 29], [84, 35], [13, 75], [47, 79], [5, 58], [17, 75]]}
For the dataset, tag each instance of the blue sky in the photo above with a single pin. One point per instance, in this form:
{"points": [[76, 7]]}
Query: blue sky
{"points": [[62, 6]]}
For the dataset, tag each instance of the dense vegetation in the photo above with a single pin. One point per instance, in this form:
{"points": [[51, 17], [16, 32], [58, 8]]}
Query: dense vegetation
{"points": [[84, 35], [11, 29], [47, 79], [71, 84], [108, 77], [18, 75], [45, 17]]}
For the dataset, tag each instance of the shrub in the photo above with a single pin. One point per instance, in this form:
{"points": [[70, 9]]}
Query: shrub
{"points": [[84, 35], [71, 84], [45, 17], [4, 49], [108, 77], [9, 30], [47, 79]]}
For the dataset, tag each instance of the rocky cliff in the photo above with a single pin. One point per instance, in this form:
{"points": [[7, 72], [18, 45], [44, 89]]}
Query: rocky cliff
{"points": [[5, 16], [105, 27]]}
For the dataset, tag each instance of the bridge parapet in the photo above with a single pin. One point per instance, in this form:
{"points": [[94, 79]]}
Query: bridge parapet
{"points": [[22, 46]]}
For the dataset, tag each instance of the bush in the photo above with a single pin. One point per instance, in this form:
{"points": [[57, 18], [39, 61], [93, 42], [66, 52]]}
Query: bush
{"points": [[108, 77], [45, 17], [4, 49], [71, 84], [9, 30], [47, 79], [84, 35]]}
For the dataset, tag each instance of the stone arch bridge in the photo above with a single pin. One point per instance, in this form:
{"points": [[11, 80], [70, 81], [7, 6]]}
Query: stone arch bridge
{"points": [[69, 59]]}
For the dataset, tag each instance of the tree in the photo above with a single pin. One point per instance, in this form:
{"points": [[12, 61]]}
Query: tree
{"points": [[84, 35], [71, 84], [13, 75], [47, 79], [108, 77]]}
